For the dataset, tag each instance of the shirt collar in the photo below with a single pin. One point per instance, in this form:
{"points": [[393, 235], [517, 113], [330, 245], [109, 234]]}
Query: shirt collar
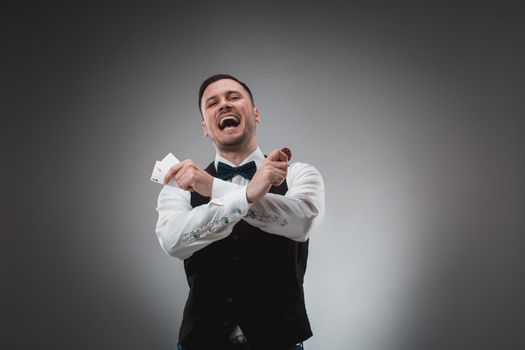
{"points": [[257, 156]]}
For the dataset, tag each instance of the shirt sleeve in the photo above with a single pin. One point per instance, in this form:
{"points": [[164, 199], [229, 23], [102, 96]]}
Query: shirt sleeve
{"points": [[293, 215], [183, 230]]}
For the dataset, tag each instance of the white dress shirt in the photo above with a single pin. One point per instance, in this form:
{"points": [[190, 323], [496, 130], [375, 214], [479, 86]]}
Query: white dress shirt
{"points": [[183, 230]]}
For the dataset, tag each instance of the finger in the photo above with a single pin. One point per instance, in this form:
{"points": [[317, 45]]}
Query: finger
{"points": [[279, 155], [279, 165], [187, 166], [278, 175], [288, 152], [280, 172], [282, 166], [181, 173], [172, 172], [278, 180], [183, 184], [275, 155], [184, 181], [283, 157]]}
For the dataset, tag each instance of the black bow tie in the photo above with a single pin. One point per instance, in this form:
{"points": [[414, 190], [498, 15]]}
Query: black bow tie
{"points": [[226, 172]]}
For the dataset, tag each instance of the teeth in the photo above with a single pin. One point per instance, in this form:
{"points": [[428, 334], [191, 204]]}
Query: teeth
{"points": [[228, 117]]}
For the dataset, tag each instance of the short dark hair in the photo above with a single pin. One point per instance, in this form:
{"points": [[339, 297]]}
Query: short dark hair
{"points": [[216, 77]]}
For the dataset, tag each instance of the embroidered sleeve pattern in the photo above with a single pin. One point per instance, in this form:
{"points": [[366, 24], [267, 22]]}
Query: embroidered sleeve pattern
{"points": [[183, 230], [211, 227], [205, 230], [298, 212], [266, 218]]}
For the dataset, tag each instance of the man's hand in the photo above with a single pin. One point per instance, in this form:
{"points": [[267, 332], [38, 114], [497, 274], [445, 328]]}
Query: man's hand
{"points": [[271, 171], [190, 177]]}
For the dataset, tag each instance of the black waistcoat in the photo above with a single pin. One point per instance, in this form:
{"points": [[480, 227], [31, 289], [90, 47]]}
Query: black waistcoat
{"points": [[251, 278]]}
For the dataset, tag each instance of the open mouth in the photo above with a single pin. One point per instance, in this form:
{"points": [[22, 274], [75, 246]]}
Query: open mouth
{"points": [[229, 121]]}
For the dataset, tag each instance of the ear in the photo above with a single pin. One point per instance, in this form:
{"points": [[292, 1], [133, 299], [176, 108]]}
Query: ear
{"points": [[257, 114], [204, 131]]}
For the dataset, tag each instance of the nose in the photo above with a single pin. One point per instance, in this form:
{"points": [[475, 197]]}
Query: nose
{"points": [[224, 105]]}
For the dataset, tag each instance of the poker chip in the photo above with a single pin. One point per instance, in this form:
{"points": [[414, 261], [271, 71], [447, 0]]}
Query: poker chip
{"points": [[287, 152]]}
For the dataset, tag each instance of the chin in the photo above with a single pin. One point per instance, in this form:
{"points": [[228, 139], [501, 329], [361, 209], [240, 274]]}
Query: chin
{"points": [[232, 139], [230, 144]]}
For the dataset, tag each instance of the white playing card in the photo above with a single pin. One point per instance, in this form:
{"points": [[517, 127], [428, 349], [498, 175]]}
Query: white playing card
{"points": [[169, 161], [156, 175], [162, 167]]}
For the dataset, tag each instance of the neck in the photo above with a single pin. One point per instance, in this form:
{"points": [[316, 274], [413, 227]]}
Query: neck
{"points": [[236, 156]]}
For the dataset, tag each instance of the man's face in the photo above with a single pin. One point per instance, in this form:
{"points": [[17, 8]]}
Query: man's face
{"points": [[229, 115]]}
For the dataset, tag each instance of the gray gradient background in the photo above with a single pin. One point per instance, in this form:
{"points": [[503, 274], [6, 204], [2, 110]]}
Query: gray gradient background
{"points": [[412, 112]]}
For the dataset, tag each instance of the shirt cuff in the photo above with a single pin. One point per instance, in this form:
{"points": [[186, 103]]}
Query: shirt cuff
{"points": [[236, 201], [221, 188]]}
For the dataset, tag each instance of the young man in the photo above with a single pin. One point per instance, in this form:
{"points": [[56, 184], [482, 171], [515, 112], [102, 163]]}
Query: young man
{"points": [[241, 226]]}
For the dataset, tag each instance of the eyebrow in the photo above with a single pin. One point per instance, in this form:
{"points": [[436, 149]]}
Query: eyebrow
{"points": [[228, 92]]}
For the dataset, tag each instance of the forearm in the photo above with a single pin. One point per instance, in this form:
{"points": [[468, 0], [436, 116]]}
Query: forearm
{"points": [[293, 215], [286, 216], [183, 230]]}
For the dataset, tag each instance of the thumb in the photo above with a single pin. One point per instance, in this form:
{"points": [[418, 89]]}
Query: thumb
{"points": [[277, 156]]}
